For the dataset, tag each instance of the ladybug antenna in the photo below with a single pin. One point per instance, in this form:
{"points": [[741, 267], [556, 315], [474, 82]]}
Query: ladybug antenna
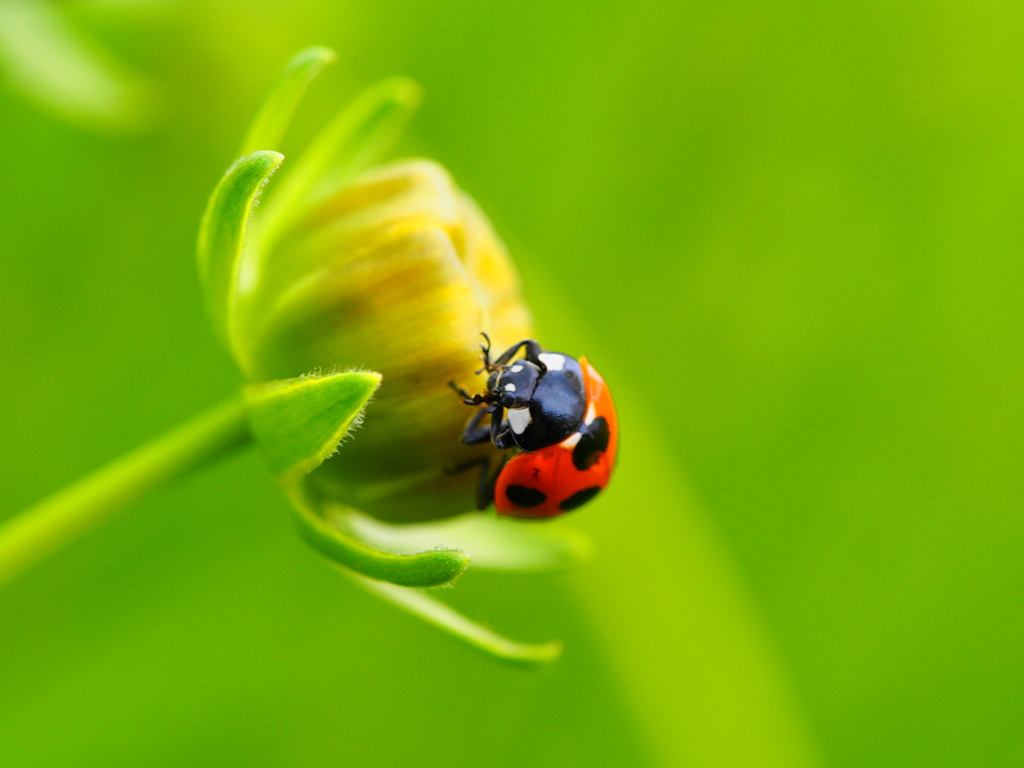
{"points": [[486, 348], [488, 365]]}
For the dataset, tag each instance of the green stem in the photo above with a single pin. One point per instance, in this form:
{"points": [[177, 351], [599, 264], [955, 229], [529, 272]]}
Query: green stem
{"points": [[42, 529]]}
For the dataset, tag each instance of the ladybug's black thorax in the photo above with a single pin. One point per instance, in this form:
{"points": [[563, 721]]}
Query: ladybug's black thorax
{"points": [[533, 402]]}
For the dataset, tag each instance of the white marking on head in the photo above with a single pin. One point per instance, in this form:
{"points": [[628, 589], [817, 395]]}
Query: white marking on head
{"points": [[510, 387], [552, 361], [516, 368], [519, 419], [591, 414]]}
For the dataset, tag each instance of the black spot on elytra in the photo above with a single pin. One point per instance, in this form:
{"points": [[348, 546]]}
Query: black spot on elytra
{"points": [[522, 496], [579, 498], [593, 442]]}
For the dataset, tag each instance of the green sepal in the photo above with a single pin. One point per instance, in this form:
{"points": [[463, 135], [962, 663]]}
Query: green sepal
{"points": [[298, 423], [222, 237], [449, 620], [359, 136], [432, 568], [495, 543], [276, 113], [365, 131]]}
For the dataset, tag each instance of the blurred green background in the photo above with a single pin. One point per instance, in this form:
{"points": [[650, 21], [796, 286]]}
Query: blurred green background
{"points": [[788, 233]]}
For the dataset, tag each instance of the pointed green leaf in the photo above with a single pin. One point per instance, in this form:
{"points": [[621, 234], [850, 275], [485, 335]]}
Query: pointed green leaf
{"points": [[454, 623], [222, 236], [432, 568], [494, 543], [359, 136], [365, 132], [276, 113], [298, 423]]}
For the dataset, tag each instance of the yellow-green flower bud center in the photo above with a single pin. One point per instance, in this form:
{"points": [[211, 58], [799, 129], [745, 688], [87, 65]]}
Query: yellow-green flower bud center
{"points": [[399, 272]]}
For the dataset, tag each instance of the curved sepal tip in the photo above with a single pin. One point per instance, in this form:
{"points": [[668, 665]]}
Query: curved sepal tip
{"points": [[222, 237], [433, 568], [275, 114]]}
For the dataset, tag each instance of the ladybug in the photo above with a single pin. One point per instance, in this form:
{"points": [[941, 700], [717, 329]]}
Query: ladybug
{"points": [[553, 417]]}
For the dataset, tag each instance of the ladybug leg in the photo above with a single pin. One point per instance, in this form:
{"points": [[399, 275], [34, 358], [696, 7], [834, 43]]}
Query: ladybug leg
{"points": [[488, 478], [488, 481], [532, 351], [501, 433], [467, 398], [474, 434], [498, 432]]}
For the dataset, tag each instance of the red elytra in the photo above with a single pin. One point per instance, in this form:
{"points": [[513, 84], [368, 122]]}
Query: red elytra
{"points": [[552, 472]]}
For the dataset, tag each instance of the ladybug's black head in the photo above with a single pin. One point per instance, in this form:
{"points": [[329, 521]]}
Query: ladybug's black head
{"points": [[513, 386]]}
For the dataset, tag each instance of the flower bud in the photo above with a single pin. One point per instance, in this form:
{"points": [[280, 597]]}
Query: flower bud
{"points": [[357, 283], [397, 272]]}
